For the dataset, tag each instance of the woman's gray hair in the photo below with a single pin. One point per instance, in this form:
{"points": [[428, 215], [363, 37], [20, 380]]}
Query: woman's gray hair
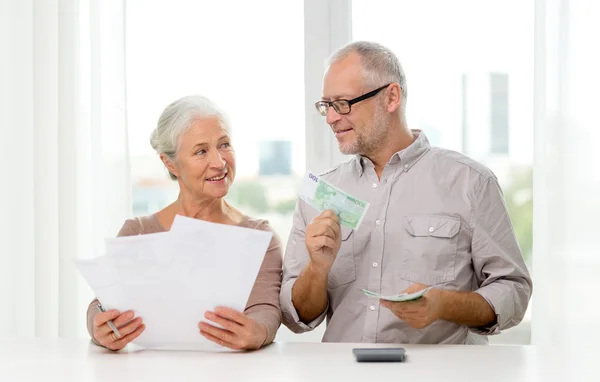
{"points": [[177, 118], [380, 65]]}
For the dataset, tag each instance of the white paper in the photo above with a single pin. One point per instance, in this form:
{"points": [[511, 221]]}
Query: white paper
{"points": [[171, 279]]}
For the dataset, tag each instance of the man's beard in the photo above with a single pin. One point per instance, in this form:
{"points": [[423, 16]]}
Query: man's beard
{"points": [[368, 142]]}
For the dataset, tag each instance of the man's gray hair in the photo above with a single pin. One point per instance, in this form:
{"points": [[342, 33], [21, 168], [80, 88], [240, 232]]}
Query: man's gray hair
{"points": [[380, 65], [177, 118]]}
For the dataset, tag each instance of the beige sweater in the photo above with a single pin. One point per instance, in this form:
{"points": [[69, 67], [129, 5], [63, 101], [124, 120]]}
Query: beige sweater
{"points": [[263, 303]]}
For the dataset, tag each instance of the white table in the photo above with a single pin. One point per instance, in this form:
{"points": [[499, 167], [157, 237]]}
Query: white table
{"points": [[79, 360]]}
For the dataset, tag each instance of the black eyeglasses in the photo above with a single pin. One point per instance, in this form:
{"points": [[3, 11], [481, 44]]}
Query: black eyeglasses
{"points": [[342, 106]]}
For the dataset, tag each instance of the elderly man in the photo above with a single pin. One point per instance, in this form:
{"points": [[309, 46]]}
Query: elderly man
{"points": [[437, 218]]}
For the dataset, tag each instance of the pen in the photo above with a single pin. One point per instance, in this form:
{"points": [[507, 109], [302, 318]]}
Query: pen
{"points": [[110, 323]]}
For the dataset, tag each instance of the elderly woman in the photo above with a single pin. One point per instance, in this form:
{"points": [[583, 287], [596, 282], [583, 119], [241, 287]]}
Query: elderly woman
{"points": [[193, 142]]}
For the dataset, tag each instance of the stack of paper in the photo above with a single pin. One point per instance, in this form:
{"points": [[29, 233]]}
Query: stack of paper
{"points": [[171, 279]]}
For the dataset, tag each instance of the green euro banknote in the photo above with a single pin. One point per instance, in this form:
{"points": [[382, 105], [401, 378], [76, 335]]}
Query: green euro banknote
{"points": [[402, 297], [324, 196]]}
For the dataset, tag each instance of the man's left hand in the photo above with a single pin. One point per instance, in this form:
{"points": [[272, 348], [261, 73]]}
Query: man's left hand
{"points": [[418, 313]]}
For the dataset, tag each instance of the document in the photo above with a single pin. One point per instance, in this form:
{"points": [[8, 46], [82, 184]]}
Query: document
{"points": [[170, 279]]}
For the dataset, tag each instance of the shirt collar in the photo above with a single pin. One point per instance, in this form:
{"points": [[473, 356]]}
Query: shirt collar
{"points": [[407, 157]]}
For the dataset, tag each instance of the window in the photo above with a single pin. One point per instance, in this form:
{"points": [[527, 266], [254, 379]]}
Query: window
{"points": [[248, 57], [470, 86], [469, 68]]}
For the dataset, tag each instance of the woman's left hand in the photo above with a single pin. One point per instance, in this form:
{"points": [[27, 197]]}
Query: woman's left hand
{"points": [[239, 331]]}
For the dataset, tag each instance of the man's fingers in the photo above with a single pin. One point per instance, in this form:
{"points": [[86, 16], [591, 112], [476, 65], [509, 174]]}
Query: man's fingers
{"points": [[388, 305], [327, 214], [329, 219], [409, 313], [415, 288], [324, 230], [324, 227], [123, 341], [332, 221], [324, 241], [401, 307], [337, 229]]}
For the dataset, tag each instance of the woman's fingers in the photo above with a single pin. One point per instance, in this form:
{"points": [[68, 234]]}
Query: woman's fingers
{"points": [[238, 330], [123, 318], [102, 317], [233, 315], [226, 323], [219, 341], [118, 321], [130, 327], [222, 334], [123, 341]]}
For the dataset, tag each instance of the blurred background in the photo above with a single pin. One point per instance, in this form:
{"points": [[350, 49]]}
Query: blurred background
{"points": [[510, 83]]}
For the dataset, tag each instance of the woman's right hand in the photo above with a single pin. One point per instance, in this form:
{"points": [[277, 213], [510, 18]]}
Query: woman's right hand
{"points": [[129, 331]]}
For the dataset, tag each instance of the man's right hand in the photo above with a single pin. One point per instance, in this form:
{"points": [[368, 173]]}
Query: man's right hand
{"points": [[128, 329], [323, 240]]}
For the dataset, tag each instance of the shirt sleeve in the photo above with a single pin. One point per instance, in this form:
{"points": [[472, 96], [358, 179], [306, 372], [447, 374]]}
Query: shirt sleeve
{"points": [[295, 260], [263, 303], [130, 228], [503, 279]]}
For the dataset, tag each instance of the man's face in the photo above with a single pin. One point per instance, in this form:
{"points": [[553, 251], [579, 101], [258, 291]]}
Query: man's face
{"points": [[362, 130]]}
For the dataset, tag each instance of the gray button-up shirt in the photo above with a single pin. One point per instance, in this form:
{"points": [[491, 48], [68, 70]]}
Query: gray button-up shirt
{"points": [[436, 217]]}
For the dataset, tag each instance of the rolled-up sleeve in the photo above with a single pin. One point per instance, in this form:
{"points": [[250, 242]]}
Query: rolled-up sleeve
{"points": [[503, 279], [295, 260]]}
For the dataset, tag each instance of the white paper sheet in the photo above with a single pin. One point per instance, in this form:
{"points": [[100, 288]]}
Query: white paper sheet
{"points": [[171, 279]]}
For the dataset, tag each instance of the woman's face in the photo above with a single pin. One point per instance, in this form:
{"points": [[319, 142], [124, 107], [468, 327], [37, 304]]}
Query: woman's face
{"points": [[205, 162]]}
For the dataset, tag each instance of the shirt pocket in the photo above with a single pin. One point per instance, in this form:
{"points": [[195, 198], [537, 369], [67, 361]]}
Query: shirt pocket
{"points": [[429, 248], [343, 270]]}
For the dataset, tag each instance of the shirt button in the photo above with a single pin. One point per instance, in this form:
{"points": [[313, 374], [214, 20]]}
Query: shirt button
{"points": [[375, 265], [406, 167], [374, 185], [431, 229], [377, 222], [294, 242], [372, 307]]}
